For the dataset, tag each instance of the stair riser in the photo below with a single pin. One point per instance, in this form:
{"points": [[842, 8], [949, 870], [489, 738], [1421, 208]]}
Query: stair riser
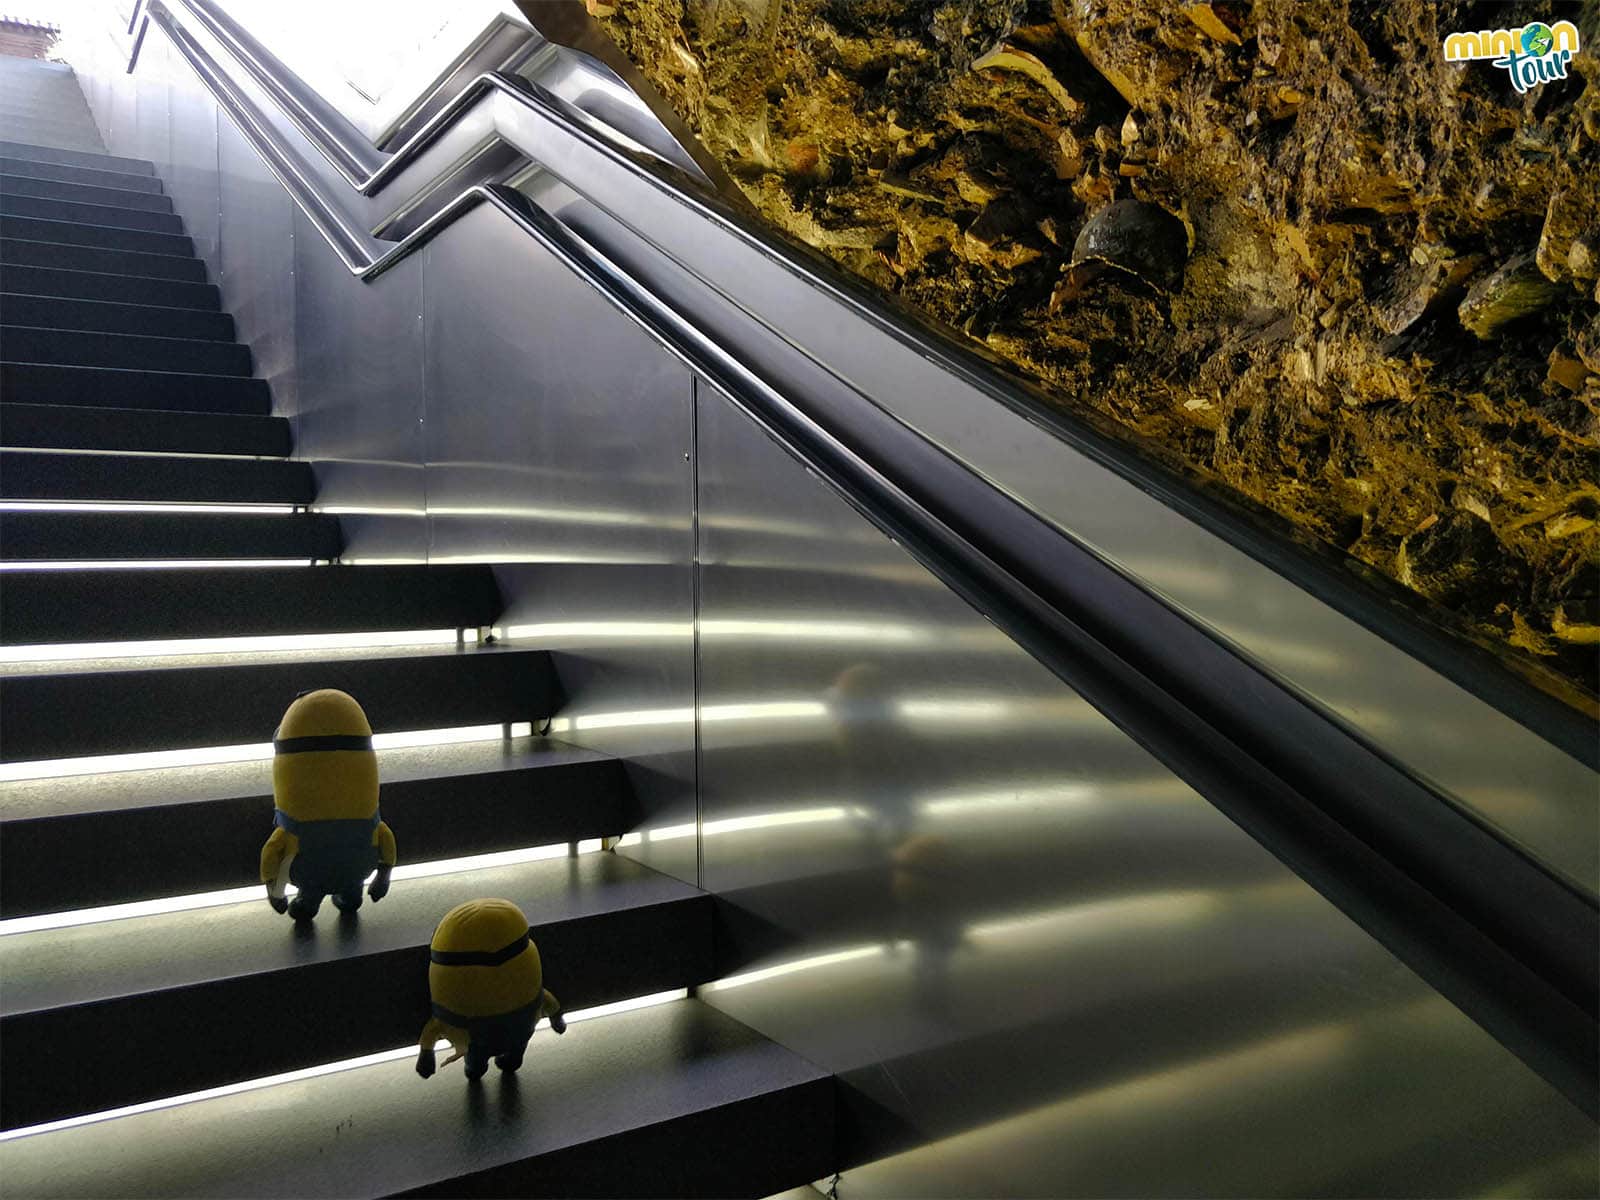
{"points": [[73, 136], [80, 349], [121, 712], [65, 174], [26, 476], [438, 818], [43, 312], [152, 605], [73, 158], [114, 289], [61, 427], [45, 383], [75, 193], [66, 1061], [49, 209], [71, 233], [92, 258], [75, 536]]}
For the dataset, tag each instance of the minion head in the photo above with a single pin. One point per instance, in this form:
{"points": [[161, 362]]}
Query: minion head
{"points": [[482, 963], [323, 767]]}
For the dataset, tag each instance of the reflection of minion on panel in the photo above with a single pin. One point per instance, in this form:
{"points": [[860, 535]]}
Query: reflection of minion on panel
{"points": [[487, 985], [329, 835]]}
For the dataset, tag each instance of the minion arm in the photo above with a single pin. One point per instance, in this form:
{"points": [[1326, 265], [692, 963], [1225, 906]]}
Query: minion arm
{"points": [[383, 839], [276, 858]]}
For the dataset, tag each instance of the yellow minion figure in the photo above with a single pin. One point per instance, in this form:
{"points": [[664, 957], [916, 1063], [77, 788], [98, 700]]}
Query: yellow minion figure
{"points": [[328, 833], [487, 987]]}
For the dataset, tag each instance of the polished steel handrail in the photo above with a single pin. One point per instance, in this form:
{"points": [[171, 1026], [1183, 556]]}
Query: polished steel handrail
{"points": [[1484, 923]]}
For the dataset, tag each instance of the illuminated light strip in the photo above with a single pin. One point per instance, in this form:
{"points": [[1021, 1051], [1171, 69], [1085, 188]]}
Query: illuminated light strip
{"points": [[51, 768], [77, 452], [876, 950], [602, 629], [146, 564], [143, 507], [334, 1068], [241, 895], [68, 651]]}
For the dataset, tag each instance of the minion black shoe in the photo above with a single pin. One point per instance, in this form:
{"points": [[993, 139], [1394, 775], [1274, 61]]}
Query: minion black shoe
{"points": [[303, 909]]}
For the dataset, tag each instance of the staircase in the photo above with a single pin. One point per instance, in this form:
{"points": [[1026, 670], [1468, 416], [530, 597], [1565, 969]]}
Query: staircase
{"points": [[162, 1031]]}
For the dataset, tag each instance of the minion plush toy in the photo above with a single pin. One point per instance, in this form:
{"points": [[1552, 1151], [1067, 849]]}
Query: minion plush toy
{"points": [[487, 986], [325, 793]]}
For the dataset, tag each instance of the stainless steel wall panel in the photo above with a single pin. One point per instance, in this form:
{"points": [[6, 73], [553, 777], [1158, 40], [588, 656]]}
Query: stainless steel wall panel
{"points": [[558, 438], [359, 398], [191, 177], [953, 883], [1512, 778], [255, 263]]}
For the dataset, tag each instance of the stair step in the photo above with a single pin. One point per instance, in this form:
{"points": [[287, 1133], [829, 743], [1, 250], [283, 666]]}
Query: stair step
{"points": [[74, 158], [139, 478], [49, 209], [442, 801], [55, 312], [82, 709], [80, 348], [41, 536], [62, 256], [120, 1012], [47, 133], [77, 193], [677, 1100], [65, 174], [668, 1101], [75, 233], [119, 289], [61, 426], [151, 605], [114, 387]]}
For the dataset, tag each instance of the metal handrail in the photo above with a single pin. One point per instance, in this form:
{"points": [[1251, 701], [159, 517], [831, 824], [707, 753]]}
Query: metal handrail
{"points": [[1486, 925]]}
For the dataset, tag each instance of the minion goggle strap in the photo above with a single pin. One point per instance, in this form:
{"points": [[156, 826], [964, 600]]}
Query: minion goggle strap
{"points": [[322, 741], [480, 958]]}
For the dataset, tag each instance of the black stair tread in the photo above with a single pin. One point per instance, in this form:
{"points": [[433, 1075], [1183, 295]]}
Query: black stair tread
{"points": [[61, 173], [674, 1100], [105, 606], [128, 351], [76, 233], [50, 208], [454, 800], [151, 320], [27, 475], [125, 387], [64, 256], [43, 536], [144, 430], [233, 985], [75, 158], [100, 706], [132, 290], [84, 193], [52, 969]]}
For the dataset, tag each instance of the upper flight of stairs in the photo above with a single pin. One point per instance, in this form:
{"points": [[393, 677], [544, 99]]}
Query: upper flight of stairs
{"points": [[126, 401]]}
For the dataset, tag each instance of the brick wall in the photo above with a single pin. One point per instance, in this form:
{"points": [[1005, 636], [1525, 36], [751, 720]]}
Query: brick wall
{"points": [[22, 39]]}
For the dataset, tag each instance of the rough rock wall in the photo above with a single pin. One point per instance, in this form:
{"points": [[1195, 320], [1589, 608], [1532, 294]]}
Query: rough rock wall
{"points": [[1284, 243]]}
